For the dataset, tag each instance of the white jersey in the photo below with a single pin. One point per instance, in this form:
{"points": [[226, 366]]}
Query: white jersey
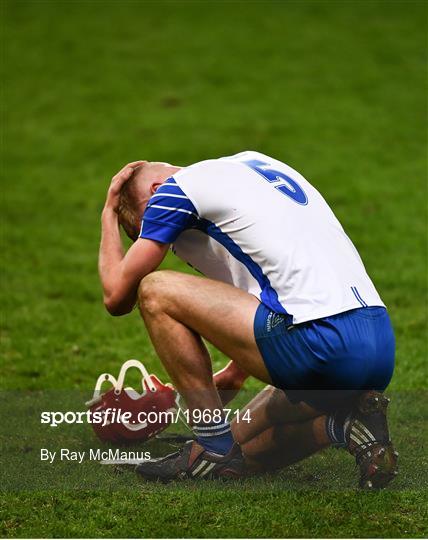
{"points": [[256, 223]]}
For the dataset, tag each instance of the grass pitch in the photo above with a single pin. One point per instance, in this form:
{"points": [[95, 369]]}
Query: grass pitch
{"points": [[336, 89]]}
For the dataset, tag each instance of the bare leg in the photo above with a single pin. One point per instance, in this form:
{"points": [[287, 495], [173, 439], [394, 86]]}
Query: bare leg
{"points": [[186, 360], [178, 309], [285, 444], [280, 432]]}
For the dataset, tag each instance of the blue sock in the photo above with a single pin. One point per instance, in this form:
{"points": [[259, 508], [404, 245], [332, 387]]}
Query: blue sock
{"points": [[336, 425], [214, 437]]}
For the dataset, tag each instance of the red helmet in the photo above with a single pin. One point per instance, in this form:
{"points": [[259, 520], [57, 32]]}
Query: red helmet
{"points": [[156, 398]]}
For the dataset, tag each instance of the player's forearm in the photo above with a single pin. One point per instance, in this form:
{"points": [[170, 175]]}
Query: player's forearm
{"points": [[111, 253]]}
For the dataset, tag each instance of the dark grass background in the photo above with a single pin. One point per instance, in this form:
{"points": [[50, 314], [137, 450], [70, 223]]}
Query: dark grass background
{"points": [[337, 90]]}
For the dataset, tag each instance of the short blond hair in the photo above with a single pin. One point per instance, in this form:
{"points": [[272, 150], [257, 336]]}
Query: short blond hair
{"points": [[128, 210]]}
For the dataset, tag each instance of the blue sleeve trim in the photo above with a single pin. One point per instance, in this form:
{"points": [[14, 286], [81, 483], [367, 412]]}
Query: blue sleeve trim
{"points": [[170, 188], [172, 202], [159, 231], [168, 213]]}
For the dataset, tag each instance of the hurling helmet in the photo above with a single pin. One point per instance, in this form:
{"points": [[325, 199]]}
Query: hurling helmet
{"points": [[155, 398]]}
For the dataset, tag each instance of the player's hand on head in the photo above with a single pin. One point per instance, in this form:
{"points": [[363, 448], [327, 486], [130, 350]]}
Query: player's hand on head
{"points": [[113, 193]]}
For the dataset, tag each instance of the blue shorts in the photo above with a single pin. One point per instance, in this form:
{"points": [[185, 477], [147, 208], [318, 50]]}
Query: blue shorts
{"points": [[327, 362]]}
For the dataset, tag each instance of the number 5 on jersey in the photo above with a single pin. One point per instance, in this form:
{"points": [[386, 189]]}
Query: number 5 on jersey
{"points": [[287, 185]]}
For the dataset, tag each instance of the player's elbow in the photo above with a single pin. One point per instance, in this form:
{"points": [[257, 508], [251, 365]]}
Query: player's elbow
{"points": [[116, 307]]}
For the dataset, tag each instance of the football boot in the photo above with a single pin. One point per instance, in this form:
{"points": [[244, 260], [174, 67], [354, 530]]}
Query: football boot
{"points": [[368, 440], [192, 461]]}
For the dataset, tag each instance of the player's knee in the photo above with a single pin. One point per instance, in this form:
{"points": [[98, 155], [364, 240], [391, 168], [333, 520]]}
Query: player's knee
{"points": [[149, 293]]}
